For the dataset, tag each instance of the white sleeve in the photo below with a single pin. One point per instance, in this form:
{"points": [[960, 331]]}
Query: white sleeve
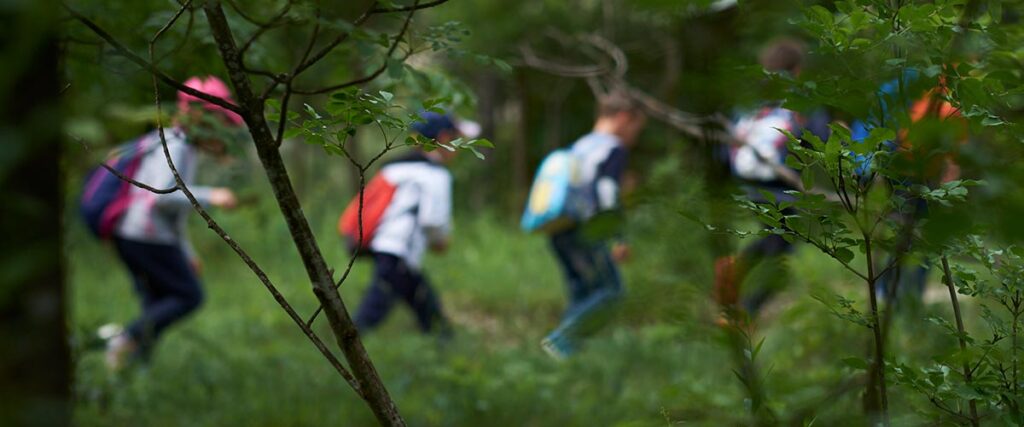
{"points": [[184, 160], [607, 193], [435, 207]]}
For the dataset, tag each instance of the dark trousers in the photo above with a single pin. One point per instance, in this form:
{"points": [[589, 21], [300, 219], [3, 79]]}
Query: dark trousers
{"points": [[905, 281], [764, 248], [393, 280], [166, 284], [767, 247], [593, 283]]}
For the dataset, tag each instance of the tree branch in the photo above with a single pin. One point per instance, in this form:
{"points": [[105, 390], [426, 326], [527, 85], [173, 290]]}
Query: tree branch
{"points": [[148, 66], [261, 27], [126, 178], [371, 387], [415, 6], [359, 220], [320, 54], [378, 71], [961, 335], [213, 225]]}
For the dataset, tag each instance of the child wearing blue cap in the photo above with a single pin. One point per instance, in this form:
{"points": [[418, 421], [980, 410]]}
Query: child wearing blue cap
{"points": [[417, 217]]}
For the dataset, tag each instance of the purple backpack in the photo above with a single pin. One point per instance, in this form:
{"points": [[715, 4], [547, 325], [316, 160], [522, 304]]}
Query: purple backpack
{"points": [[105, 197]]}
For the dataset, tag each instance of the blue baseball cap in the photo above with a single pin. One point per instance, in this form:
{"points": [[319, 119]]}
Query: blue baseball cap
{"points": [[431, 125]]}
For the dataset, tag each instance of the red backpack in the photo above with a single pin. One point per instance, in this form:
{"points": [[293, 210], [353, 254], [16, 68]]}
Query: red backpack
{"points": [[376, 197]]}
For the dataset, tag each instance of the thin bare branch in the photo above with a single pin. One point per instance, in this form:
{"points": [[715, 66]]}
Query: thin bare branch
{"points": [[363, 173], [532, 60], [244, 15], [371, 387], [184, 38], [261, 27], [148, 66], [124, 177], [961, 335], [320, 54], [213, 225], [282, 119], [376, 73], [415, 6]]}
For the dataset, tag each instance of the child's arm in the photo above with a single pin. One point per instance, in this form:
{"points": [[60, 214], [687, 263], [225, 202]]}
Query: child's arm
{"points": [[183, 157], [609, 179], [435, 210]]}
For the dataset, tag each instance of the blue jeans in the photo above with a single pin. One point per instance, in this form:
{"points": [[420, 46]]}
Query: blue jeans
{"points": [[593, 283], [165, 283]]}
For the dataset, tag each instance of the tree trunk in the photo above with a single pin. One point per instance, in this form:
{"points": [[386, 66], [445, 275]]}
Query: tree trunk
{"points": [[35, 362], [371, 388]]}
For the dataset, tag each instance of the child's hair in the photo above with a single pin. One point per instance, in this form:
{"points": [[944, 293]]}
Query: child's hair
{"points": [[782, 54], [616, 101]]}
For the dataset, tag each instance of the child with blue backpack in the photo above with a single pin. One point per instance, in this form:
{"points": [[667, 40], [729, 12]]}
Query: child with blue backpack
{"points": [[586, 254], [148, 230]]}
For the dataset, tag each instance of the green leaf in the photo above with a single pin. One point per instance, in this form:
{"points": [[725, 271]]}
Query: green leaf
{"points": [[992, 121], [396, 68], [481, 142], [312, 111], [844, 255], [856, 363], [822, 15], [292, 132]]}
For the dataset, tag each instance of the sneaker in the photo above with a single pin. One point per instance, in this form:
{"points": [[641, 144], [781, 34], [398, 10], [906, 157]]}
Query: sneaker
{"points": [[556, 351], [120, 350], [109, 331]]}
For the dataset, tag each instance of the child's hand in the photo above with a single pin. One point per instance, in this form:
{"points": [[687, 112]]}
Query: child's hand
{"points": [[620, 252], [223, 198], [440, 246]]}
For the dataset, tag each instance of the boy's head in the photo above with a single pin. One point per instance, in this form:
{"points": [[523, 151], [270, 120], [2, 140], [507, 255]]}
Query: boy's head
{"points": [[444, 128], [783, 55], [619, 114], [204, 116]]}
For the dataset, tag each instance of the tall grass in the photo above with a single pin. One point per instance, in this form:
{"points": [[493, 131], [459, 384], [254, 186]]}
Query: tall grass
{"points": [[239, 360]]}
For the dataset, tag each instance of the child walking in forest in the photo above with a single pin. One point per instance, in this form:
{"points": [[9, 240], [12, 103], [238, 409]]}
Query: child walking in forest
{"points": [[587, 254], [924, 103], [407, 209], [758, 161], [150, 237]]}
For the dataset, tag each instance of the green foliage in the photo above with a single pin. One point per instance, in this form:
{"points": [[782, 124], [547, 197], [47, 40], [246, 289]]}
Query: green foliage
{"points": [[991, 355], [240, 361]]}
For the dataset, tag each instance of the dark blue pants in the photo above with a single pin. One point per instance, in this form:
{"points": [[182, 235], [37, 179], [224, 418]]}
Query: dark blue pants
{"points": [[767, 247], [593, 283], [394, 280], [764, 248], [166, 285], [905, 280]]}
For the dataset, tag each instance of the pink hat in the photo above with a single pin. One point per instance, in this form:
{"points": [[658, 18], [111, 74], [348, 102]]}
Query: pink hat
{"points": [[212, 86]]}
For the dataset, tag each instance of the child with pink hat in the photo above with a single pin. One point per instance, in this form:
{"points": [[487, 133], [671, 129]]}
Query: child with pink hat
{"points": [[151, 238]]}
